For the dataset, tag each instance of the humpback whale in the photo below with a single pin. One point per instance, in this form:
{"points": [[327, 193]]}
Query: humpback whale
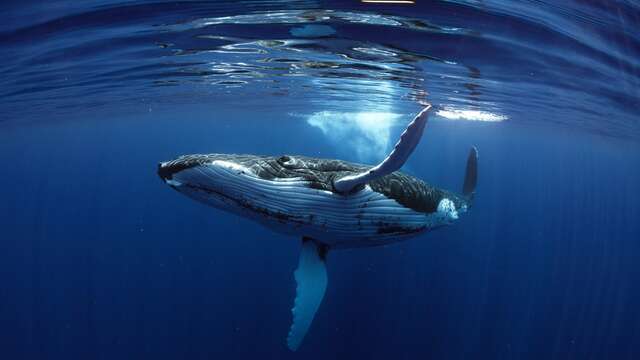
{"points": [[328, 204]]}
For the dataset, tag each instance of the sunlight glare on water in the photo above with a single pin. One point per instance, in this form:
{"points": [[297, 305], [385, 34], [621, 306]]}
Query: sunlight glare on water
{"points": [[471, 115]]}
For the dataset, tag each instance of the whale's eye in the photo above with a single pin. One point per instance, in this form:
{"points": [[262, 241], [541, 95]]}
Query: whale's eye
{"points": [[285, 160]]}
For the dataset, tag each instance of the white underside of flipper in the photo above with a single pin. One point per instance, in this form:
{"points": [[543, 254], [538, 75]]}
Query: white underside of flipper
{"points": [[311, 279], [398, 156]]}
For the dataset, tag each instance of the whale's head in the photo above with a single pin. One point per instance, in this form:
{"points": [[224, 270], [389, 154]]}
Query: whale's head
{"points": [[272, 185], [219, 180]]}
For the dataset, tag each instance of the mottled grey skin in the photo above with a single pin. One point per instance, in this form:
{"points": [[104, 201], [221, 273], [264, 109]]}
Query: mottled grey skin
{"points": [[407, 190]]}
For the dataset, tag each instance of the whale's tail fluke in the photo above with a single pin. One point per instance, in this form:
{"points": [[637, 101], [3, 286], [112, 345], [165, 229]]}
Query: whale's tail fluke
{"points": [[471, 175]]}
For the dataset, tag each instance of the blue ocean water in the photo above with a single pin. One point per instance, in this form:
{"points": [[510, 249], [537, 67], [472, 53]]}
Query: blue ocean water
{"points": [[101, 260]]}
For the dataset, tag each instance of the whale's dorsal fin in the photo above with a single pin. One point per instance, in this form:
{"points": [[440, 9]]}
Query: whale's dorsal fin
{"points": [[401, 152], [471, 174], [311, 278]]}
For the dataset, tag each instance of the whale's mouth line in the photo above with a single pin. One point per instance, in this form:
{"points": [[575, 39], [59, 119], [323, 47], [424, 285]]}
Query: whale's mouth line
{"points": [[166, 170], [247, 206]]}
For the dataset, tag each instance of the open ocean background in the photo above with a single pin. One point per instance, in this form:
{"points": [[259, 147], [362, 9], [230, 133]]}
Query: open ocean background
{"points": [[101, 260]]}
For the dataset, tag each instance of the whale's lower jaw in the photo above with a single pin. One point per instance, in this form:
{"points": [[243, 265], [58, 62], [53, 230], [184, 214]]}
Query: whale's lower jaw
{"points": [[291, 206]]}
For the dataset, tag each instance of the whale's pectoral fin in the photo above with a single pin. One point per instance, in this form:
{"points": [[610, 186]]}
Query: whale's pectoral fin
{"points": [[311, 279], [401, 152], [471, 174]]}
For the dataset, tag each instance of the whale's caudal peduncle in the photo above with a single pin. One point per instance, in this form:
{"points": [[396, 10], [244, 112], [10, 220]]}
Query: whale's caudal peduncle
{"points": [[330, 204]]}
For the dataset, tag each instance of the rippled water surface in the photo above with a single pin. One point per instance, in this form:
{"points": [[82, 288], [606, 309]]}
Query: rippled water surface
{"points": [[573, 64]]}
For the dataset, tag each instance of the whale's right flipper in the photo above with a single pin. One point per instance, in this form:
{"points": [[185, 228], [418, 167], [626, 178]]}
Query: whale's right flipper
{"points": [[311, 277], [398, 156]]}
